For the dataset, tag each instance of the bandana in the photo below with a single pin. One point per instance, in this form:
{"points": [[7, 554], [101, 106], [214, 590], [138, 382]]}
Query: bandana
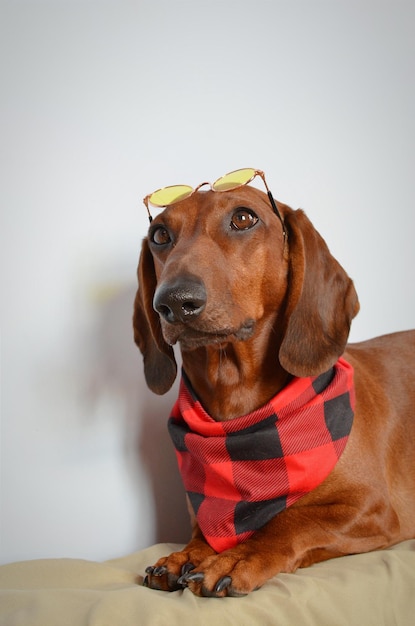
{"points": [[240, 473]]}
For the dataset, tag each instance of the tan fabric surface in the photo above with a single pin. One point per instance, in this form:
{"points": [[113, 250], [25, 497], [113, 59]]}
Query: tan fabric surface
{"points": [[363, 590]]}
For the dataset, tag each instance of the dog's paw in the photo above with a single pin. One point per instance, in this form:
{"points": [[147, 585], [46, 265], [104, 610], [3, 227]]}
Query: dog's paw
{"points": [[228, 574], [169, 573], [166, 573]]}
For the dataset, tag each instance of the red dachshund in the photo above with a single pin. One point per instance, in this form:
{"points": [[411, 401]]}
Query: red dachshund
{"points": [[293, 446]]}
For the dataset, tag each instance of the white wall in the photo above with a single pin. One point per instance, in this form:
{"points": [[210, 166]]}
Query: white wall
{"points": [[105, 102]]}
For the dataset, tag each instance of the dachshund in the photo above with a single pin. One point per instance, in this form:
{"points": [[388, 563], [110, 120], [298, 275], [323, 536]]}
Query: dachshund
{"points": [[294, 446]]}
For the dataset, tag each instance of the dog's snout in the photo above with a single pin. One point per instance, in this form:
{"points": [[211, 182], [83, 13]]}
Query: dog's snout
{"points": [[180, 301]]}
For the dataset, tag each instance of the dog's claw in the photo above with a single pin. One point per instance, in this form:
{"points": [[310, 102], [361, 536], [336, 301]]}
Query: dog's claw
{"points": [[223, 583], [195, 577], [185, 571], [187, 567], [149, 569], [159, 571], [145, 582]]}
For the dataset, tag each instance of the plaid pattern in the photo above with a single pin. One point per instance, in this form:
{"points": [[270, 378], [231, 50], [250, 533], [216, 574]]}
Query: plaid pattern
{"points": [[239, 474]]}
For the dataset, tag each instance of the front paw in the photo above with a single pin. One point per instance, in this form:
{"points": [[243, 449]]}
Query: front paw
{"points": [[163, 578], [169, 573], [228, 574]]}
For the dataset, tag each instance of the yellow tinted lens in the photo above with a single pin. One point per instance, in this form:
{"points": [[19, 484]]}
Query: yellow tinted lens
{"points": [[170, 195], [234, 179]]}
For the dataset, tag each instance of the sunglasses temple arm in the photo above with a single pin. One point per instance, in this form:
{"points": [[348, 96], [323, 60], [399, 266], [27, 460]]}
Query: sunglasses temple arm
{"points": [[277, 213], [150, 219]]}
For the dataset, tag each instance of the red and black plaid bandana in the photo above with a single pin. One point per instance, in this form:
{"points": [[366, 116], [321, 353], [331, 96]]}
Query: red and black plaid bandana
{"points": [[239, 474]]}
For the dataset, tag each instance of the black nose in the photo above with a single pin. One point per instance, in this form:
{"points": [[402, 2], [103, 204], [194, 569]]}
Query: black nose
{"points": [[180, 301]]}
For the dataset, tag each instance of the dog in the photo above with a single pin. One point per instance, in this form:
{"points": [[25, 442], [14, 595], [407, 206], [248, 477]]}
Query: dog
{"points": [[262, 313]]}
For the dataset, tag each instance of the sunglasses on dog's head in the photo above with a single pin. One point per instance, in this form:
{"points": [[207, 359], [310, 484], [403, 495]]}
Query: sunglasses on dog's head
{"points": [[233, 180]]}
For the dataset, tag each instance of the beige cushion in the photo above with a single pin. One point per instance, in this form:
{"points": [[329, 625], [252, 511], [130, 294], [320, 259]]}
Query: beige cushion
{"points": [[376, 588]]}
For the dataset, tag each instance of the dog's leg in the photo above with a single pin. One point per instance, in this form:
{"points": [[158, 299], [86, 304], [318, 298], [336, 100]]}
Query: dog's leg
{"points": [[297, 537]]}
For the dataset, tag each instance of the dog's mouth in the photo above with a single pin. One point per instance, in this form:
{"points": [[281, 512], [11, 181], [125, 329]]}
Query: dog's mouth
{"points": [[191, 338]]}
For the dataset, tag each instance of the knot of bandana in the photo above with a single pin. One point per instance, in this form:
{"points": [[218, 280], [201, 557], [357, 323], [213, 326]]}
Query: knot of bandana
{"points": [[239, 474]]}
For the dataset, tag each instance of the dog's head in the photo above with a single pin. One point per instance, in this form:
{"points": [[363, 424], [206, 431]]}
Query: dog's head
{"points": [[216, 269]]}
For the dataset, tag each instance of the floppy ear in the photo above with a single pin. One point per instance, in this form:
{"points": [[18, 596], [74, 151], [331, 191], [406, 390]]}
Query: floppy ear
{"points": [[321, 303], [159, 363]]}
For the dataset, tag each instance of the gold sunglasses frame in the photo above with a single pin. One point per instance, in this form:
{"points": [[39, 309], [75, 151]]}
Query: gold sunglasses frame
{"points": [[256, 173]]}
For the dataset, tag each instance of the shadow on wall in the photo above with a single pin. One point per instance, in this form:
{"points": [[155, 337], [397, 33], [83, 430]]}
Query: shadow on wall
{"points": [[118, 366]]}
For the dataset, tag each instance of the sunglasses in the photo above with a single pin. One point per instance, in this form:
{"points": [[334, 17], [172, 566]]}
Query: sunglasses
{"points": [[175, 193]]}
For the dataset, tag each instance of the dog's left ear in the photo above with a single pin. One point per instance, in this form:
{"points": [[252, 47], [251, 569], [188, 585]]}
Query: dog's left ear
{"points": [[321, 302], [160, 367]]}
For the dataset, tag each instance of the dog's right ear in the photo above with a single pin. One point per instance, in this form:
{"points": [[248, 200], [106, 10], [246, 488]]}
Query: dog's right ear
{"points": [[160, 367]]}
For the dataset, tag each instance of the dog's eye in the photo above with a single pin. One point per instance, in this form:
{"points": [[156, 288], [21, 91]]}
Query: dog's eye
{"points": [[160, 236], [243, 219]]}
